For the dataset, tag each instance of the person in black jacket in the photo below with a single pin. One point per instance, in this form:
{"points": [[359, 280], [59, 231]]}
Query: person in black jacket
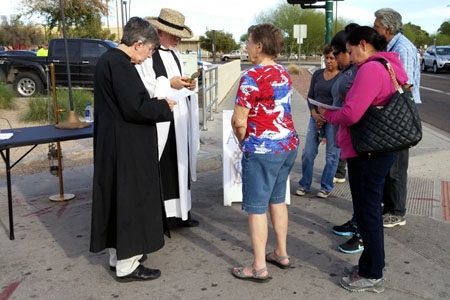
{"points": [[127, 207]]}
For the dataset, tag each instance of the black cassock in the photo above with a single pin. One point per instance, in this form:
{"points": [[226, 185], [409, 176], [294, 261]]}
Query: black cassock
{"points": [[127, 208]]}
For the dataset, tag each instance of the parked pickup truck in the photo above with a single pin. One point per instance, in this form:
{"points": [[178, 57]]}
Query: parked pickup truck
{"points": [[30, 75], [234, 54]]}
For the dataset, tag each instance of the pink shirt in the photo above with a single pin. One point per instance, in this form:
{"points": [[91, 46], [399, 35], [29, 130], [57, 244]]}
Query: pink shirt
{"points": [[372, 86]]}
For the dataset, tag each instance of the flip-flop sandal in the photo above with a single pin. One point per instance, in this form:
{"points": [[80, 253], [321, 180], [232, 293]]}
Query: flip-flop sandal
{"points": [[274, 259], [238, 272]]}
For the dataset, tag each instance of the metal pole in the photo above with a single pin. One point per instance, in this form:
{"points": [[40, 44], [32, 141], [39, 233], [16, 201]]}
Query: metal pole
{"points": [[121, 12], [129, 8], [214, 45], [66, 46], [126, 16], [117, 20], [328, 20], [107, 13]]}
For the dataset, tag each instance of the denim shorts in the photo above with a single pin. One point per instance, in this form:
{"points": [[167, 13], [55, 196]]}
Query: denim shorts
{"points": [[264, 179]]}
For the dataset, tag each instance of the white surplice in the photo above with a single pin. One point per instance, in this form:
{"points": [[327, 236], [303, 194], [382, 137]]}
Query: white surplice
{"points": [[186, 122]]}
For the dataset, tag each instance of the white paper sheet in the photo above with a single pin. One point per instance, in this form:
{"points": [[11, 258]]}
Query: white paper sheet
{"points": [[326, 106], [180, 94], [5, 136]]}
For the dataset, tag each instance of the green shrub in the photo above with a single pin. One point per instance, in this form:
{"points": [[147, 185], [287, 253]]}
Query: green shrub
{"points": [[39, 110], [6, 96], [293, 69]]}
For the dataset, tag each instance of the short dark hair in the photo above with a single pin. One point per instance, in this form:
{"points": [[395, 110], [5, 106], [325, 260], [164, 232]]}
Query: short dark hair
{"points": [[369, 35], [269, 36], [340, 39], [327, 49], [138, 29]]}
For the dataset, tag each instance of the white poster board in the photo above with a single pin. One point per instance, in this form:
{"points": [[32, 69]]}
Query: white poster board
{"points": [[232, 170]]}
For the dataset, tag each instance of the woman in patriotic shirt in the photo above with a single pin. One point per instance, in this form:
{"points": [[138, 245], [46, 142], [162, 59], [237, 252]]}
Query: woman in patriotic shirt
{"points": [[262, 122]]}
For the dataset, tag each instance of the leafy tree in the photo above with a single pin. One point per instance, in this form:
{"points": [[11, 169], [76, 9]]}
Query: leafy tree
{"points": [[92, 28], [15, 33], [285, 16], [224, 41], [442, 39], [445, 28], [416, 35], [83, 17]]}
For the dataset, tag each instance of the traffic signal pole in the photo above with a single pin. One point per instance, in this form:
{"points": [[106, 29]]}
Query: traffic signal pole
{"points": [[309, 4], [328, 20]]}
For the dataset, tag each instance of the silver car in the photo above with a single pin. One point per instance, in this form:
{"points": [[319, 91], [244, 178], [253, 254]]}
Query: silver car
{"points": [[437, 58]]}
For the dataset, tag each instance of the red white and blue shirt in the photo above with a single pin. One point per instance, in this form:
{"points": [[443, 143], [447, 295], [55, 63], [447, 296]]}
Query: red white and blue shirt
{"points": [[266, 91]]}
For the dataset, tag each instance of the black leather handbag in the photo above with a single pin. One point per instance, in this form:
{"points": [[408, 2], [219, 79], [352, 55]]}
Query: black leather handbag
{"points": [[393, 127]]}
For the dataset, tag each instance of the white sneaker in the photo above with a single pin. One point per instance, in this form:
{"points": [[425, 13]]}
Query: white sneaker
{"points": [[338, 180], [356, 283], [300, 192], [323, 194]]}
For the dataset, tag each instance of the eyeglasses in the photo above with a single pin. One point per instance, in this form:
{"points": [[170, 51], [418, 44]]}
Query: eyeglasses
{"points": [[150, 47]]}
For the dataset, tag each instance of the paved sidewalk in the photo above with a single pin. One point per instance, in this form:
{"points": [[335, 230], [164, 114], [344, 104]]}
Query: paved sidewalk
{"points": [[49, 259]]}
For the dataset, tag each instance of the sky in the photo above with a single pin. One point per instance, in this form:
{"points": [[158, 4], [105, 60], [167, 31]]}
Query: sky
{"points": [[235, 16]]}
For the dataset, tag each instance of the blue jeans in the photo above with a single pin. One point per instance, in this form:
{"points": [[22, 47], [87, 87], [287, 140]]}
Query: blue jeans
{"points": [[366, 177], [310, 152], [264, 179]]}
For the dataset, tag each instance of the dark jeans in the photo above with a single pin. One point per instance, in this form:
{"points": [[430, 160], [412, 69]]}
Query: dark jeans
{"points": [[341, 169], [366, 177], [394, 196]]}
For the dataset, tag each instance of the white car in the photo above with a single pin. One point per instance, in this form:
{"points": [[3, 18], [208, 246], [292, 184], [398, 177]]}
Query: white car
{"points": [[234, 54], [437, 58]]}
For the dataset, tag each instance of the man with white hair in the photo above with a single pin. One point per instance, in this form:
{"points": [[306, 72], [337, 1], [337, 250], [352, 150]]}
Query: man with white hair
{"points": [[388, 23], [163, 75]]}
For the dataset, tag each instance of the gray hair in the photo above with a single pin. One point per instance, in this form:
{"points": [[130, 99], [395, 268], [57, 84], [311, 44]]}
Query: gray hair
{"points": [[138, 29], [390, 17]]}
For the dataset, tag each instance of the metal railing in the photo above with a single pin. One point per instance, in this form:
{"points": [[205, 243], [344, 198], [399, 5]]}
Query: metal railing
{"points": [[210, 92]]}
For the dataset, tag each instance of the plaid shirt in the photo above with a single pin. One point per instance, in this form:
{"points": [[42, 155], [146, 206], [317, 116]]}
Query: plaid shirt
{"points": [[410, 60]]}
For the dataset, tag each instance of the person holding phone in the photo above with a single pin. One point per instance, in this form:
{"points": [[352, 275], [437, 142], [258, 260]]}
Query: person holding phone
{"points": [[163, 75]]}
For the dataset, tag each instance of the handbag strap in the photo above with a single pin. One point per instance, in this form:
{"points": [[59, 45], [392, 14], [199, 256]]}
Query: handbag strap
{"points": [[388, 66]]}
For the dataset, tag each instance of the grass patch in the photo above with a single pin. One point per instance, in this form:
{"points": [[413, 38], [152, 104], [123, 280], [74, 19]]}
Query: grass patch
{"points": [[6, 96], [40, 109]]}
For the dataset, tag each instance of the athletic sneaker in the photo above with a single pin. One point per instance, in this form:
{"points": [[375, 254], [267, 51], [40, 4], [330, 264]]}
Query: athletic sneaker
{"points": [[353, 245], [390, 220], [347, 229], [357, 283], [338, 180], [301, 191], [350, 271], [323, 194]]}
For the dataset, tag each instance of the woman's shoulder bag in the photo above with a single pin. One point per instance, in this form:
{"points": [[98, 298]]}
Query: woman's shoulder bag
{"points": [[393, 127]]}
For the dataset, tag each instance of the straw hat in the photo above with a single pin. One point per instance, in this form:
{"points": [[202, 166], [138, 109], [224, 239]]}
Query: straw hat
{"points": [[171, 21]]}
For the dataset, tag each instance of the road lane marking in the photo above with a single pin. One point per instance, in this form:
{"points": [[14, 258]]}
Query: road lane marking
{"points": [[434, 90]]}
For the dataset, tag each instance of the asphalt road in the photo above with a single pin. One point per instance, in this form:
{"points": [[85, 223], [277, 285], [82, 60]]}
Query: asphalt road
{"points": [[435, 96]]}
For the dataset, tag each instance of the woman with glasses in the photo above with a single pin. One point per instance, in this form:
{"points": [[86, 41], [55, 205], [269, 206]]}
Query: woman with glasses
{"points": [[339, 91], [128, 216]]}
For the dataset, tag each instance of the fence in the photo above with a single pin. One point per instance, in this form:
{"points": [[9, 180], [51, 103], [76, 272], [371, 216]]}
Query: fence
{"points": [[210, 94]]}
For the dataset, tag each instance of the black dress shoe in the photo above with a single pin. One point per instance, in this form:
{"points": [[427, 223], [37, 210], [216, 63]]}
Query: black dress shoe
{"points": [[188, 223], [141, 273], [143, 258]]}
